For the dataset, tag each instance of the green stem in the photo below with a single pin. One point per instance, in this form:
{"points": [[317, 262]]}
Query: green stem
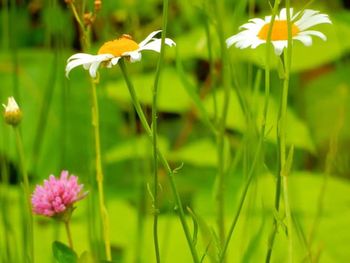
{"points": [[282, 173], [211, 65], [154, 130], [162, 159], [29, 216], [241, 202], [99, 172], [69, 234], [220, 194], [285, 170], [141, 189], [76, 15], [85, 42]]}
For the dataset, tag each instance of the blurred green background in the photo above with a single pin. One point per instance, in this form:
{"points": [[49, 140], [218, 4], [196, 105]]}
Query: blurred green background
{"points": [[38, 36]]}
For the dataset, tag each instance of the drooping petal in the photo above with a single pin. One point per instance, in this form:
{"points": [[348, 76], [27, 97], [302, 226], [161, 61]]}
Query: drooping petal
{"points": [[113, 62], [314, 33], [75, 62], [155, 44], [148, 38], [133, 55], [93, 68], [88, 61], [279, 46], [79, 56], [257, 43], [305, 39], [235, 39]]}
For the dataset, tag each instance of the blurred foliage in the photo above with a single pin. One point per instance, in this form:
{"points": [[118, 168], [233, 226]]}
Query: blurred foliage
{"points": [[38, 36]]}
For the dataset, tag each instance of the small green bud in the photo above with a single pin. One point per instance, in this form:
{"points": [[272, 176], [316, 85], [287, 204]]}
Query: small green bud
{"points": [[13, 114]]}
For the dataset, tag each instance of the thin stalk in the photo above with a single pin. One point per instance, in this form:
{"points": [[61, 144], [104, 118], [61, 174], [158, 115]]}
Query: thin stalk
{"points": [[285, 170], [69, 234], [29, 246], [211, 65], [4, 215], [85, 43], [140, 188], [154, 130], [220, 194], [162, 159], [76, 15], [99, 172], [261, 139], [241, 202], [282, 183]]}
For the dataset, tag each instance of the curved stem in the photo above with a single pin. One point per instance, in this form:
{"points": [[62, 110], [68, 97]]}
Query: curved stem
{"points": [[99, 172], [162, 159], [220, 194], [283, 170], [85, 43], [241, 202], [261, 138], [154, 131]]}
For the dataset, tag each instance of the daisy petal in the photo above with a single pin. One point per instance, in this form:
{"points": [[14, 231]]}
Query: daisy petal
{"points": [[169, 42], [73, 63], [93, 68], [79, 56], [305, 39], [307, 22], [314, 33], [153, 45], [135, 56], [99, 58], [148, 38], [279, 46], [115, 60]]}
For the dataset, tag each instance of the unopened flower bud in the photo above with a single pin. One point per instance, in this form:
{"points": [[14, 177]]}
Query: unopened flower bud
{"points": [[13, 114], [88, 19], [97, 5]]}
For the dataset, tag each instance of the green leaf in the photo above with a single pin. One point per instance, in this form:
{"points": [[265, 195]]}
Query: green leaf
{"points": [[63, 254], [86, 257]]}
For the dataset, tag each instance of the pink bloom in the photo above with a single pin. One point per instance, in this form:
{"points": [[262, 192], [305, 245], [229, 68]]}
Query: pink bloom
{"points": [[57, 195]]}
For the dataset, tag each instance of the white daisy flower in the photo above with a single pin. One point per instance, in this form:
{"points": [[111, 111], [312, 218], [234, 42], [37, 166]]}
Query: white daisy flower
{"points": [[256, 30], [111, 51]]}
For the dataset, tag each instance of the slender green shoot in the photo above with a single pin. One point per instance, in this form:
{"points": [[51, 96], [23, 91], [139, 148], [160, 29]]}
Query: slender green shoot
{"points": [[85, 43], [162, 159], [29, 233], [154, 130], [69, 234]]}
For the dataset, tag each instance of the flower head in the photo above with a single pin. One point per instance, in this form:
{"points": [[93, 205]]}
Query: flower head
{"points": [[57, 195], [111, 51], [13, 114], [256, 30]]}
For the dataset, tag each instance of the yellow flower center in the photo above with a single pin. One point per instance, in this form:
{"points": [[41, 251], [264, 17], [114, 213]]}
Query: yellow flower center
{"points": [[119, 46], [279, 30]]}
